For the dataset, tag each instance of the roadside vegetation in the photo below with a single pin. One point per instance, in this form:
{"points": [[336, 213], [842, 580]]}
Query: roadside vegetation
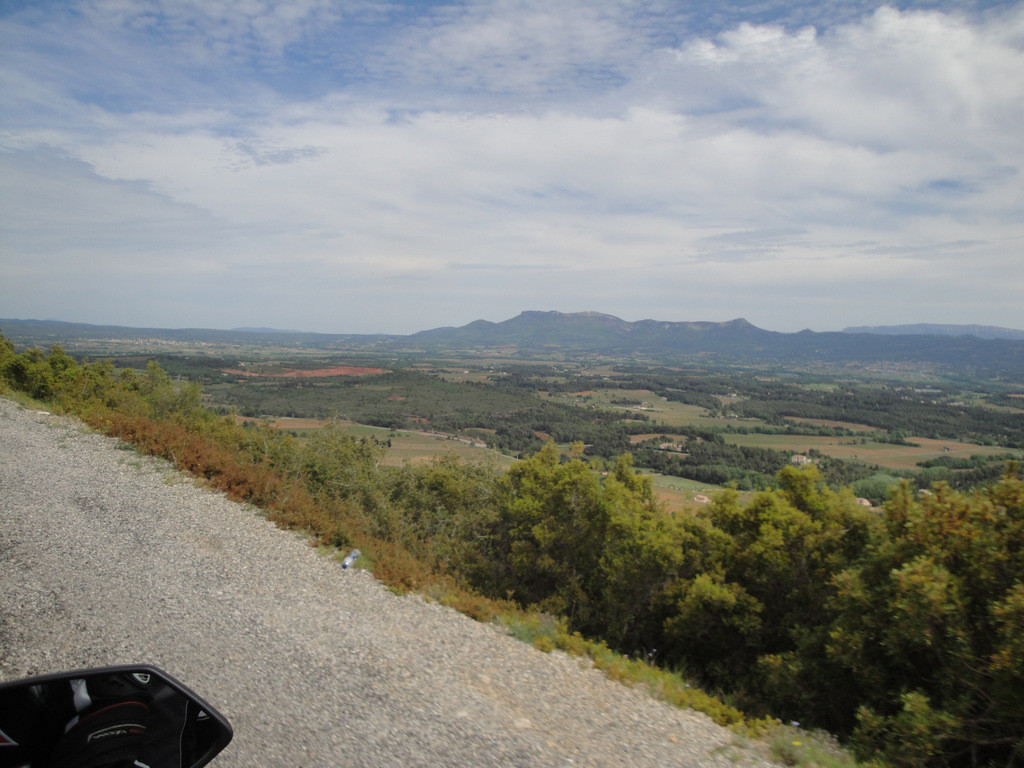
{"points": [[899, 630]]}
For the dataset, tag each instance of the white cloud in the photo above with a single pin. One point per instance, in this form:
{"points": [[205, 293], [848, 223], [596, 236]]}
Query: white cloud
{"points": [[921, 79], [553, 150], [519, 47]]}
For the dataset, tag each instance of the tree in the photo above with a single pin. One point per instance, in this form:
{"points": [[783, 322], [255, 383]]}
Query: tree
{"points": [[930, 622], [554, 527], [449, 507], [641, 556], [337, 466], [752, 618]]}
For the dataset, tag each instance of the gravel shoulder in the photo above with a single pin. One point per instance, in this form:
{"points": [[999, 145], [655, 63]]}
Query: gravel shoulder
{"points": [[108, 557]]}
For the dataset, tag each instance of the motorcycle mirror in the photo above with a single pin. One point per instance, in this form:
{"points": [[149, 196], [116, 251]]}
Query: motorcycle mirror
{"points": [[113, 717]]}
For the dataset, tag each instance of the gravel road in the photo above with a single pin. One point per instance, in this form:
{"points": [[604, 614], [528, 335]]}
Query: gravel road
{"points": [[107, 557]]}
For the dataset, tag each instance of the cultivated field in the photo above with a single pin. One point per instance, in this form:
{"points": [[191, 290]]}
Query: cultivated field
{"points": [[852, 448], [656, 408], [862, 449]]}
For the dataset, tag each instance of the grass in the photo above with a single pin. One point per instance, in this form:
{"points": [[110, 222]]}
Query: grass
{"points": [[24, 400], [678, 494], [792, 746], [421, 446]]}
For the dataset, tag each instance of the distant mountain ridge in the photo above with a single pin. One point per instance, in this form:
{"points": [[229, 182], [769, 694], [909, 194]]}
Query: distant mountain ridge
{"points": [[938, 329], [45, 332], [588, 335], [597, 333], [733, 341]]}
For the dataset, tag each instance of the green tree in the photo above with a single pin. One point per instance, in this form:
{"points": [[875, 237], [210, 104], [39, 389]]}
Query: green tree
{"points": [[449, 507], [33, 372], [641, 556], [751, 619], [554, 527], [930, 623], [337, 466], [167, 397]]}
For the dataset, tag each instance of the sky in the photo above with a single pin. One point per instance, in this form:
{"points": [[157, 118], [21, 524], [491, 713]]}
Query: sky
{"points": [[362, 166]]}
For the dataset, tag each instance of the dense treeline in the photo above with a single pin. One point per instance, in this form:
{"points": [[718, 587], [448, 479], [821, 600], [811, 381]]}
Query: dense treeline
{"points": [[398, 397], [717, 463], [901, 630]]}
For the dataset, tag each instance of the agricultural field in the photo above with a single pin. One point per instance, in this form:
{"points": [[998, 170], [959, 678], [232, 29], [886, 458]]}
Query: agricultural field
{"points": [[860, 447], [659, 409], [888, 455]]}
